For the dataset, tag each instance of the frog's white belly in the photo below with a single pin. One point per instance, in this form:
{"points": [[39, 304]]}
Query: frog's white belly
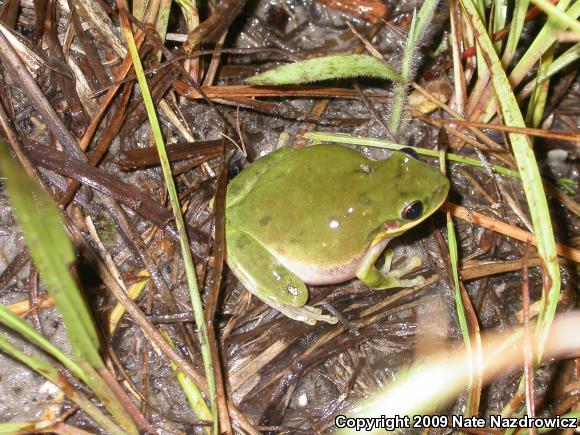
{"points": [[316, 274], [313, 274]]}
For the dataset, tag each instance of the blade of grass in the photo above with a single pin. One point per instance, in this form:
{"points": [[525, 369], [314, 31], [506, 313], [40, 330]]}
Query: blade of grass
{"points": [[400, 89], [569, 56], [163, 20], [21, 427], [192, 393], [381, 143], [499, 20], [49, 372], [558, 15], [460, 310], [80, 368], [473, 380], [540, 93], [516, 26], [52, 254], [15, 323], [134, 291], [175, 205], [482, 72], [325, 68], [529, 173], [546, 37]]}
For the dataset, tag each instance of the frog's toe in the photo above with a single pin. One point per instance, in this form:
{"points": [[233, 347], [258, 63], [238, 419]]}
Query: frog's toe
{"points": [[418, 280], [316, 314], [306, 313], [413, 263], [387, 260], [382, 280]]}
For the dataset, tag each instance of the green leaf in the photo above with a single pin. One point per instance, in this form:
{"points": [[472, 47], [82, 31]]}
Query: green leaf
{"points": [[52, 253], [325, 68]]}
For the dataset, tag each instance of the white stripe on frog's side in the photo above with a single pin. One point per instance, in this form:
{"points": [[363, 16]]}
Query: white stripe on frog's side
{"points": [[313, 274]]}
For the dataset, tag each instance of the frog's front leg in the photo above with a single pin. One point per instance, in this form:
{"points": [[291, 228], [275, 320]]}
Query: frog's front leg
{"points": [[384, 278], [269, 280]]}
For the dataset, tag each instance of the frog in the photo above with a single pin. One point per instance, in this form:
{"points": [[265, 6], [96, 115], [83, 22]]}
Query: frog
{"points": [[321, 215]]}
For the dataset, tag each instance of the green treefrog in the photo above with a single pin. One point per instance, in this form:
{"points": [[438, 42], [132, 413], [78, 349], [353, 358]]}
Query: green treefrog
{"points": [[321, 215]]}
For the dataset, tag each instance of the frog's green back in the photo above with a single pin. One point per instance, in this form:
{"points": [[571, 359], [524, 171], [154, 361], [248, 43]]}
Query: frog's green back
{"points": [[246, 179], [324, 204]]}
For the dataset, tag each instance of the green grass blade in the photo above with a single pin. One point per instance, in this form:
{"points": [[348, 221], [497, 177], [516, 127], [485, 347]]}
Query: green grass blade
{"points": [[400, 88], [381, 143], [49, 372], [546, 37], [472, 395], [529, 173], [325, 68], [499, 20], [558, 15], [459, 308], [192, 393], [569, 56], [23, 427], [540, 94], [175, 205], [163, 20], [516, 26], [80, 368], [15, 323], [52, 253]]}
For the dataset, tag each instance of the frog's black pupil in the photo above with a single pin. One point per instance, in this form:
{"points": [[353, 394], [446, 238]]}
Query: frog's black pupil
{"points": [[413, 211], [410, 152]]}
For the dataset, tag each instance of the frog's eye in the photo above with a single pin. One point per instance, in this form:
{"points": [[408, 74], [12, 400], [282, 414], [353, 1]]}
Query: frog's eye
{"points": [[412, 211], [410, 152]]}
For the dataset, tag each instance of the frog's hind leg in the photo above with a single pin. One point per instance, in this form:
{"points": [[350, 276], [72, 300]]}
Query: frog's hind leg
{"points": [[385, 278], [269, 280]]}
